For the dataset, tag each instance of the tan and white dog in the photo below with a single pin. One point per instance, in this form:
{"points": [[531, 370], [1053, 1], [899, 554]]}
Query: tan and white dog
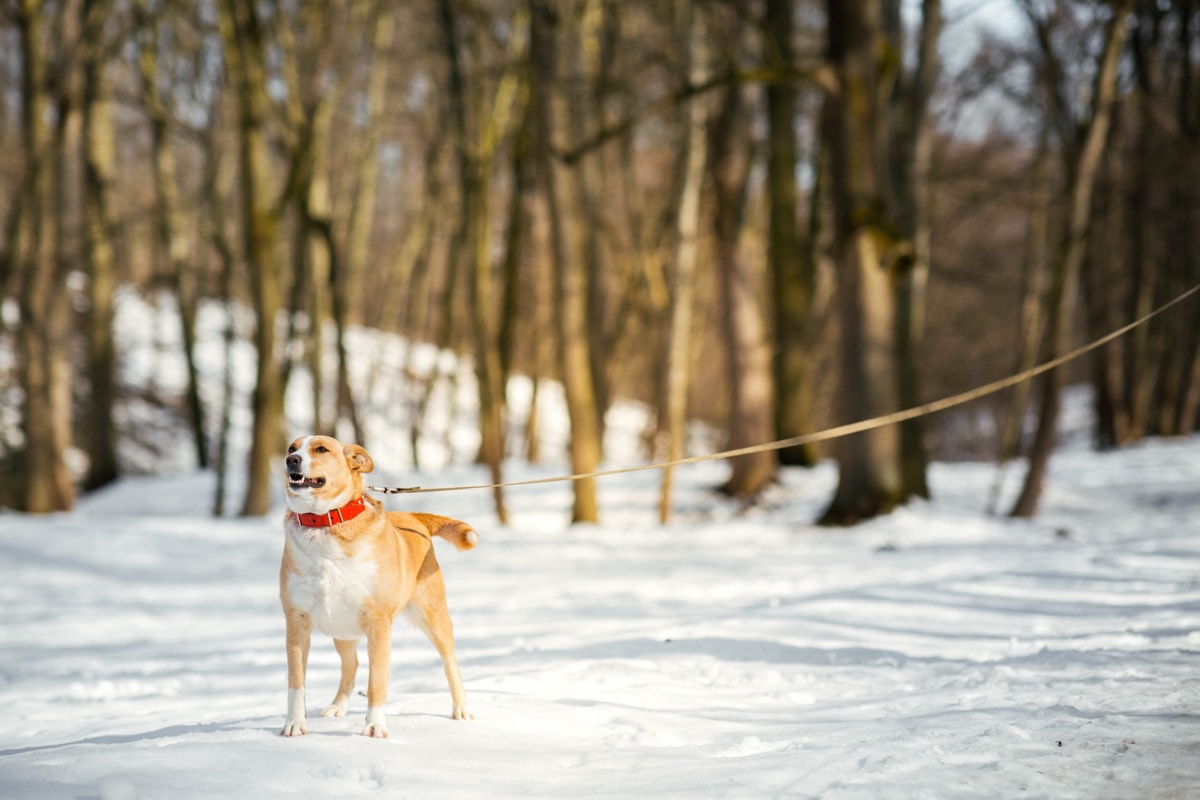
{"points": [[349, 568]]}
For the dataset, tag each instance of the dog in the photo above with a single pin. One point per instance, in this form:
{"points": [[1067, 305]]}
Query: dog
{"points": [[349, 568]]}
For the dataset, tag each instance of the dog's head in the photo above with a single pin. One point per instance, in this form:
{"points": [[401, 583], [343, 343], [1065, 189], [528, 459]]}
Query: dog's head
{"points": [[323, 474]]}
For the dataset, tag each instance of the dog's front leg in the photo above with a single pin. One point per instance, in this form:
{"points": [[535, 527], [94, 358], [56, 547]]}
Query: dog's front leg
{"points": [[299, 635], [379, 653]]}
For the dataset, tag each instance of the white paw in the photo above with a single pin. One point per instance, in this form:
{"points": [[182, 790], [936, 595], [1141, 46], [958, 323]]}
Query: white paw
{"points": [[335, 710], [462, 712], [376, 724], [294, 727]]}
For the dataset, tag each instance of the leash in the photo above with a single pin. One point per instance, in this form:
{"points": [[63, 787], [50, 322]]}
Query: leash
{"points": [[837, 432], [395, 489]]}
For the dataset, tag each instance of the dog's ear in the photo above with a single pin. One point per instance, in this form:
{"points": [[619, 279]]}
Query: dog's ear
{"points": [[358, 459]]}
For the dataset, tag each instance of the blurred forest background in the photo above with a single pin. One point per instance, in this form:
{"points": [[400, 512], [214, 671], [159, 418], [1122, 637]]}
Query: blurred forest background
{"points": [[769, 215]]}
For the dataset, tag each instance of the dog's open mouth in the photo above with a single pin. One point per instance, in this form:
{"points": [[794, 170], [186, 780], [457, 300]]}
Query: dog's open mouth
{"points": [[298, 481]]}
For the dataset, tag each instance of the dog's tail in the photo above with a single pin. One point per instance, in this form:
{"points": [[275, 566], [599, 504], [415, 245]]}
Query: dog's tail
{"points": [[454, 531]]}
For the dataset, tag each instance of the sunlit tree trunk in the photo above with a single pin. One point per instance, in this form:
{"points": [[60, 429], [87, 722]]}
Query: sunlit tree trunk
{"points": [[242, 32], [476, 156], [911, 153], [516, 238], [33, 251], [683, 276], [563, 195], [584, 102], [305, 54]]}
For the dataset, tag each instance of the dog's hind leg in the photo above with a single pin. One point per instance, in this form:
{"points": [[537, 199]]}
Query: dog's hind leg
{"points": [[427, 610], [348, 650]]}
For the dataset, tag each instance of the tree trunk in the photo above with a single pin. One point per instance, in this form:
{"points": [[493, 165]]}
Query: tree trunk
{"points": [[99, 158], [169, 227], [1069, 262], [563, 199], [911, 154], [751, 389], [792, 272], [683, 279], [870, 480], [1033, 287], [476, 156], [362, 213], [43, 370], [212, 226], [244, 52]]}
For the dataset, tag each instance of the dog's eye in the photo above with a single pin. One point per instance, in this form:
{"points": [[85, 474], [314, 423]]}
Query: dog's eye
{"points": [[292, 449], [322, 449]]}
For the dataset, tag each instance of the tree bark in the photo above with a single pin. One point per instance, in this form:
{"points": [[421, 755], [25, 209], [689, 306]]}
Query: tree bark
{"points": [[244, 51], [169, 224], [563, 199], [870, 480], [476, 156], [362, 213], [585, 103], [793, 273], [683, 278], [752, 418], [43, 370], [1030, 323], [99, 164], [911, 154], [1064, 288]]}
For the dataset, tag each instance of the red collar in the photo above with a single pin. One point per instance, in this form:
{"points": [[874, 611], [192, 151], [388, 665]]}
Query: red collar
{"points": [[327, 520]]}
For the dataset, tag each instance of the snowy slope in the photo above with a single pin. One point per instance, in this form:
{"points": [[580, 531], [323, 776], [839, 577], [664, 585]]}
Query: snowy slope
{"points": [[933, 653]]}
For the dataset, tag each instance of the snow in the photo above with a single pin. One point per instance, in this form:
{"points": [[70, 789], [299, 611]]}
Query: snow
{"points": [[937, 652]]}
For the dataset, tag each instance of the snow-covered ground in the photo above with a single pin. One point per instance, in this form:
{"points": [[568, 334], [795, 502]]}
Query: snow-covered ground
{"points": [[934, 653]]}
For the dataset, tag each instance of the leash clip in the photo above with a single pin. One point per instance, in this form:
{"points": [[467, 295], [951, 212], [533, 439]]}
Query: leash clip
{"points": [[393, 489]]}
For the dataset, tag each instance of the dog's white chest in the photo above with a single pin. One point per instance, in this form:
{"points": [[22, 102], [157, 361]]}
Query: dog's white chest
{"points": [[328, 584]]}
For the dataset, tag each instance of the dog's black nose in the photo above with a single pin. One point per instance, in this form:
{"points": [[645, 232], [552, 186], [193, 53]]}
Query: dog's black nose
{"points": [[293, 461]]}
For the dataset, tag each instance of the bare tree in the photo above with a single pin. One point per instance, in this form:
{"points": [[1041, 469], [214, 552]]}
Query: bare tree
{"points": [[1083, 145], [870, 478], [157, 97], [1143, 252], [242, 32], [793, 273], [99, 163], [563, 185], [743, 304], [683, 276], [36, 265], [477, 145], [911, 151]]}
